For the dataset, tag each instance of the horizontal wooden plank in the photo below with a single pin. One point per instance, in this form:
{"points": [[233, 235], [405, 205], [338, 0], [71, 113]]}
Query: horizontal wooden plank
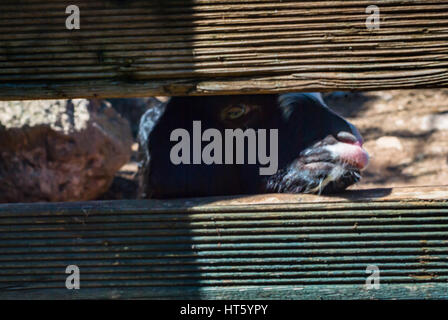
{"points": [[142, 48], [285, 292], [264, 246]]}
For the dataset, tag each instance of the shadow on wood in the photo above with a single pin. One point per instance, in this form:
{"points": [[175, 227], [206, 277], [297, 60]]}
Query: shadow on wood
{"points": [[143, 48], [265, 246]]}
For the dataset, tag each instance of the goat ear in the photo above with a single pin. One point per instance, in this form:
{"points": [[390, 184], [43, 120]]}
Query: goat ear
{"points": [[147, 123]]}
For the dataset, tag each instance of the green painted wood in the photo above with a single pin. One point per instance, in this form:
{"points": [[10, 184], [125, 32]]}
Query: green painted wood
{"points": [[262, 247], [330, 292]]}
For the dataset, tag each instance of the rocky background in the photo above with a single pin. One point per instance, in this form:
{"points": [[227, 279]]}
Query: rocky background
{"points": [[405, 132], [76, 150], [60, 150]]}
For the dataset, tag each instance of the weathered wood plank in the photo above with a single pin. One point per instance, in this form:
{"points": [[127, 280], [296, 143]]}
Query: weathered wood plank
{"points": [[430, 291], [141, 48], [329, 292], [265, 246]]}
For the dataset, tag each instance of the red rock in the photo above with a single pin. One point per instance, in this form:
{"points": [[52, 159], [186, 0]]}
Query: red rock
{"points": [[60, 150]]}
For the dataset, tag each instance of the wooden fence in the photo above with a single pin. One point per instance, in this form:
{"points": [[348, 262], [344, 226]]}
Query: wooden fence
{"points": [[267, 246], [183, 47], [270, 246]]}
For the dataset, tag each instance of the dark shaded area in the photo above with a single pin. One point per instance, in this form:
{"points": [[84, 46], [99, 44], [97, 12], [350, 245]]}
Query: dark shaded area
{"points": [[348, 104], [364, 195], [317, 152], [118, 245], [121, 188]]}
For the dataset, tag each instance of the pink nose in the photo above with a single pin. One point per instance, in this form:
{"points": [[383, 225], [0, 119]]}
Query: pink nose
{"points": [[356, 156], [349, 150]]}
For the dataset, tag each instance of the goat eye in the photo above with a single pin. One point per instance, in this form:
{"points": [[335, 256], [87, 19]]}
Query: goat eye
{"points": [[234, 112]]}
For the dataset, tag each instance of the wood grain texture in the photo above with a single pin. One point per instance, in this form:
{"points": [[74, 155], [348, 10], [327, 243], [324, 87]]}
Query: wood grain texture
{"points": [[190, 47], [271, 246]]}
